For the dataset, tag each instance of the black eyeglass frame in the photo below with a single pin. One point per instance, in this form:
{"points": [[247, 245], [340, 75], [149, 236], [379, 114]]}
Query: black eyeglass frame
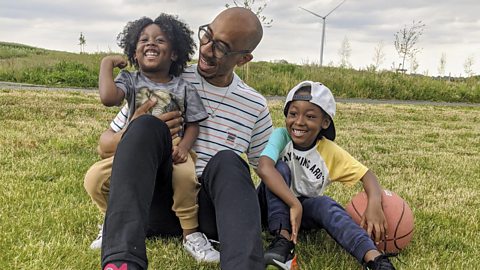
{"points": [[204, 31]]}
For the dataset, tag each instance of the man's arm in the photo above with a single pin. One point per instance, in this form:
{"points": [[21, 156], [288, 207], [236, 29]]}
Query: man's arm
{"points": [[109, 139], [107, 144]]}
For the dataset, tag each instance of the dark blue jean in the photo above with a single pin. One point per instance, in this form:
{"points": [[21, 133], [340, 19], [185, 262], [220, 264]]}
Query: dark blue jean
{"points": [[320, 212]]}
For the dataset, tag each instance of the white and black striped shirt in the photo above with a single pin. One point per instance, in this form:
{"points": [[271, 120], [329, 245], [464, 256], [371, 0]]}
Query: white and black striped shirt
{"points": [[239, 120]]}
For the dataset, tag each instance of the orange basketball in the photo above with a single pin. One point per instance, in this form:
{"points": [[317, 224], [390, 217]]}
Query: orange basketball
{"points": [[399, 218]]}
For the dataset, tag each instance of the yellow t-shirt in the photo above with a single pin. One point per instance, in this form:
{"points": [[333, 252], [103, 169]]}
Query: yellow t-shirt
{"points": [[313, 169]]}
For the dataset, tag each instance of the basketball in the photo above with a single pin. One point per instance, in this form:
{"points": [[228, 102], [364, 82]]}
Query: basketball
{"points": [[399, 218]]}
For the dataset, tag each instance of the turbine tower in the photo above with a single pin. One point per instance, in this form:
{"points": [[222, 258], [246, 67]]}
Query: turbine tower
{"points": [[323, 27]]}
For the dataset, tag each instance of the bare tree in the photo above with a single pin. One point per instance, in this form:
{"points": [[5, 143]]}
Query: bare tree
{"points": [[406, 39], [413, 64], [443, 62], [468, 64], [345, 52], [378, 56], [82, 42], [249, 4]]}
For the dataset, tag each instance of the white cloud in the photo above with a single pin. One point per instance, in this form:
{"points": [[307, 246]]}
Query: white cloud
{"points": [[452, 27]]}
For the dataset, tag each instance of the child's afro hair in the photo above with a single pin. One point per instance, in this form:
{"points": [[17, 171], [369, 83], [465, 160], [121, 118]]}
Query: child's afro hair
{"points": [[178, 33]]}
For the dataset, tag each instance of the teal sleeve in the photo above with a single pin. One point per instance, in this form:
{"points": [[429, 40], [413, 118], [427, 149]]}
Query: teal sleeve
{"points": [[277, 142]]}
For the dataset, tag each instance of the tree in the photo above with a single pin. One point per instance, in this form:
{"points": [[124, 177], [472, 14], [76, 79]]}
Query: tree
{"points": [[406, 39], [413, 64], [378, 56], [82, 43], [468, 64], [345, 52], [248, 4], [443, 62]]}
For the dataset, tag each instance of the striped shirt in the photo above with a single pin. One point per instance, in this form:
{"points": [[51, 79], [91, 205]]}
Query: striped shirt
{"points": [[120, 121], [239, 120]]}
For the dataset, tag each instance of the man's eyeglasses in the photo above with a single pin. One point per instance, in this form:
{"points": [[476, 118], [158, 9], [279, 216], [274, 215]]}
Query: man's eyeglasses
{"points": [[219, 49]]}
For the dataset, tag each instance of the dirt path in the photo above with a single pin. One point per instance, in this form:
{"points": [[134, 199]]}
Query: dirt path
{"points": [[24, 86]]}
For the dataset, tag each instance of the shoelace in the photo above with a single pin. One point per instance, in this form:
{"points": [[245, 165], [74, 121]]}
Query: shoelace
{"points": [[207, 246]]}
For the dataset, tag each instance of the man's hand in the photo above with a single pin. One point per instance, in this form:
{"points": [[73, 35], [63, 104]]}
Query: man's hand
{"points": [[144, 109], [173, 119], [174, 122]]}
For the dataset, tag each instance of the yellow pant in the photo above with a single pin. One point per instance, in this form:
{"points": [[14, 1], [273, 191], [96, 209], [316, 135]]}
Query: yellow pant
{"points": [[184, 183]]}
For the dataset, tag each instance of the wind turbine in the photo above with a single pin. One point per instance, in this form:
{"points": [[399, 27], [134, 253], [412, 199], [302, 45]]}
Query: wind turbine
{"points": [[323, 28]]}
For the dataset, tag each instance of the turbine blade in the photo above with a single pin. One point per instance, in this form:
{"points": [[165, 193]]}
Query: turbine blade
{"points": [[311, 12], [335, 8]]}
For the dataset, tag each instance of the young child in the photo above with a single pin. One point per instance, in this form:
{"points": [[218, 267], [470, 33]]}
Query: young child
{"points": [[160, 50], [296, 166]]}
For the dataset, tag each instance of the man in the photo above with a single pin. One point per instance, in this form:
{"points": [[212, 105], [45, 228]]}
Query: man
{"points": [[140, 198]]}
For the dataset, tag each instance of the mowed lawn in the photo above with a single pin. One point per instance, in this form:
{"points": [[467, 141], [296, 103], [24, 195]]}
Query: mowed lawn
{"points": [[429, 155]]}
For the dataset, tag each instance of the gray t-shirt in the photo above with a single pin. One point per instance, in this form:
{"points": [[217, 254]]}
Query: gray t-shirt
{"points": [[177, 94]]}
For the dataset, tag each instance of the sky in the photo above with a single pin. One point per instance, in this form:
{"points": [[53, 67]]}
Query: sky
{"points": [[451, 28]]}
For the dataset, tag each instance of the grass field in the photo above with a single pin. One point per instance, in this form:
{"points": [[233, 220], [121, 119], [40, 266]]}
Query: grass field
{"points": [[429, 155]]}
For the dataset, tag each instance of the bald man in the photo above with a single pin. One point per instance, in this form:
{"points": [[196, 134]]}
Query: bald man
{"points": [[239, 122]]}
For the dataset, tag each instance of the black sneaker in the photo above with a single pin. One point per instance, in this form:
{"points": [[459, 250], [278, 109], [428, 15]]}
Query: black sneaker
{"points": [[280, 253], [380, 263]]}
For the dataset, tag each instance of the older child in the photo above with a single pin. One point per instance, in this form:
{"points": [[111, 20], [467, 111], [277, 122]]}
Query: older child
{"points": [[296, 166], [160, 50]]}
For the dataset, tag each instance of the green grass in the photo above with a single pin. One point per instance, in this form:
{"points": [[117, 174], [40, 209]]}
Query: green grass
{"points": [[426, 154], [25, 64]]}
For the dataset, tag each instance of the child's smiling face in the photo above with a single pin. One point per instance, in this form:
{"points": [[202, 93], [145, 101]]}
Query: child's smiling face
{"points": [[154, 51], [304, 122]]}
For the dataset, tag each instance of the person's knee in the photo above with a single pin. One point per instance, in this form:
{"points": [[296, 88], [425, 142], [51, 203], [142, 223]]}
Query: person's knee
{"points": [[326, 204], [227, 161], [147, 129], [227, 168], [92, 181], [146, 123], [227, 156], [146, 119]]}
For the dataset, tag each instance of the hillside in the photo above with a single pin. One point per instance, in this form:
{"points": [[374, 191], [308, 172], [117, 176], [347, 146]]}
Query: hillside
{"points": [[26, 64]]}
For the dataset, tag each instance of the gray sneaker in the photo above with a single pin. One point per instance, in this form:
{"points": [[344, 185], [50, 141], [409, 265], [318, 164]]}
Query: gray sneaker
{"points": [[97, 243], [200, 248]]}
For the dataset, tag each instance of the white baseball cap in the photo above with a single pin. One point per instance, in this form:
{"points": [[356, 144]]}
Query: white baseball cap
{"points": [[321, 96]]}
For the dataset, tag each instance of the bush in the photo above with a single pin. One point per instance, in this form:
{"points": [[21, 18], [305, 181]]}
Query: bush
{"points": [[61, 74], [25, 64]]}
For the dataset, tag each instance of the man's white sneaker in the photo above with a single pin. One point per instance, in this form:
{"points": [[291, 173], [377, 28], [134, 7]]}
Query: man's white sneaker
{"points": [[200, 248], [97, 243]]}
